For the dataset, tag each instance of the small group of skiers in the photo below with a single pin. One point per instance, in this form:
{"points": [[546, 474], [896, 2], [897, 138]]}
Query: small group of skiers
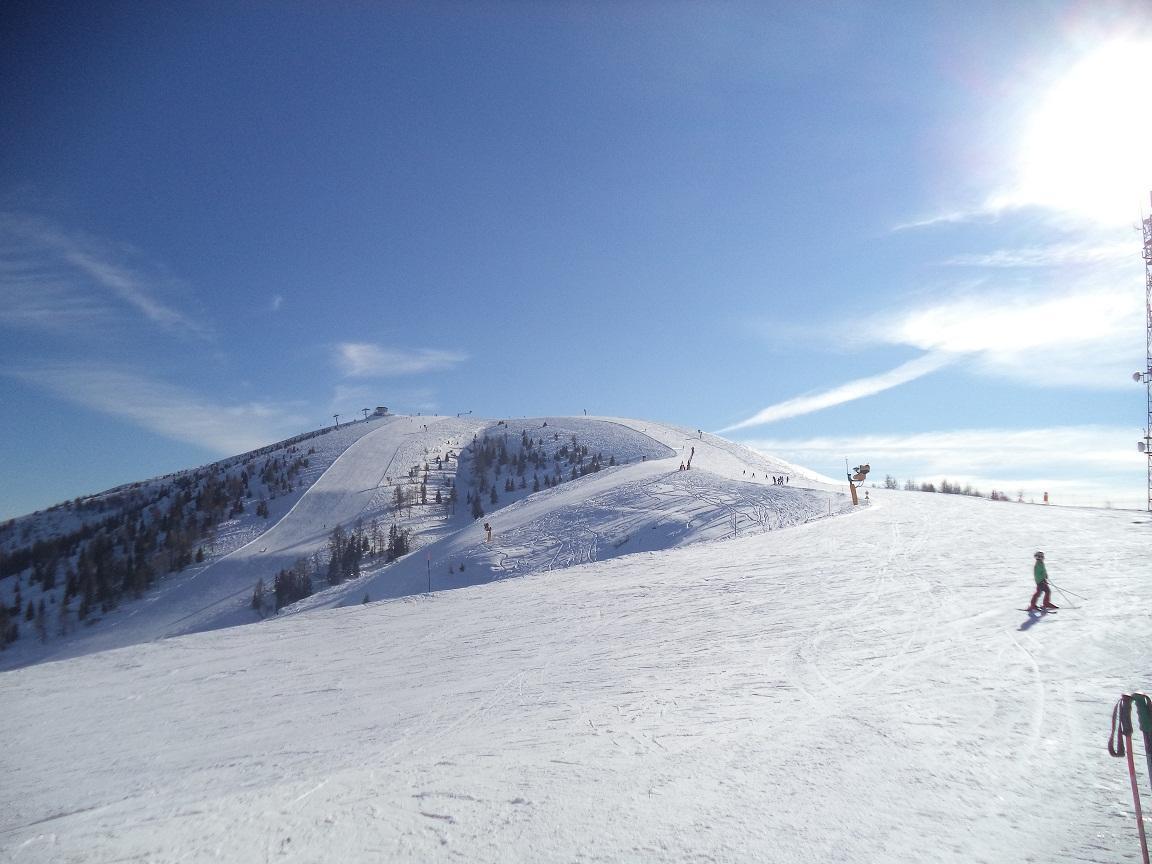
{"points": [[782, 480], [1040, 573], [687, 466]]}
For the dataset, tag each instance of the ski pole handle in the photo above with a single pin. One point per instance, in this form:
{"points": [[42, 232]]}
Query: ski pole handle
{"points": [[1121, 726]]}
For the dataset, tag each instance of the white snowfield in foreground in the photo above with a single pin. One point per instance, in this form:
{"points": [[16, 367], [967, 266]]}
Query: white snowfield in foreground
{"points": [[855, 689]]}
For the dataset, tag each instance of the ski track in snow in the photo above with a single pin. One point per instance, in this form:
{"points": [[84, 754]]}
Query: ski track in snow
{"points": [[854, 689]]}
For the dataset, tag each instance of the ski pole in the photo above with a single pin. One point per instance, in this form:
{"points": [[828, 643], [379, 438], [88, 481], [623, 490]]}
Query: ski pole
{"points": [[1061, 590], [1121, 730], [1066, 599], [1143, 704]]}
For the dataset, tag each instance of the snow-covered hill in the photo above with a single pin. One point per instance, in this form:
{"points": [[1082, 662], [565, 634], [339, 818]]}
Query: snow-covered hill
{"points": [[637, 499], [90, 564], [643, 503], [860, 689]]}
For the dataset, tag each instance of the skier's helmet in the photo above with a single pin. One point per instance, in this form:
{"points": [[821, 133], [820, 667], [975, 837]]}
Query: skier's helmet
{"points": [[1040, 555]]}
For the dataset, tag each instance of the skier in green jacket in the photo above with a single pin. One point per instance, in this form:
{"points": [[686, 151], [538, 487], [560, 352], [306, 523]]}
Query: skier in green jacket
{"points": [[1040, 572]]}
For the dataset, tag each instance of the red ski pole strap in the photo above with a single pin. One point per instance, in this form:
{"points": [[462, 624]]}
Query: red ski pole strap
{"points": [[1121, 725]]}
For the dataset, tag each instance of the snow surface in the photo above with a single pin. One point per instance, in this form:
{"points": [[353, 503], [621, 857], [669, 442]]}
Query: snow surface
{"points": [[353, 474], [854, 689]]}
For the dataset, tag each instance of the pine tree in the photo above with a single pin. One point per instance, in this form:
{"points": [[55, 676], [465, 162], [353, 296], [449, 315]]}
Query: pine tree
{"points": [[63, 618], [258, 595], [336, 544], [42, 621]]}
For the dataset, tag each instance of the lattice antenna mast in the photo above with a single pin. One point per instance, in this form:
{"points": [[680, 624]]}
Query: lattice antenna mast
{"points": [[1146, 375]]}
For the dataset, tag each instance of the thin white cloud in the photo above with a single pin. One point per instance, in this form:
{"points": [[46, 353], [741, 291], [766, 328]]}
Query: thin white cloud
{"points": [[128, 286], [166, 409], [1076, 338], [1090, 464], [987, 324], [366, 360], [277, 302], [1055, 255], [853, 390], [37, 257], [952, 217], [1080, 338], [43, 304]]}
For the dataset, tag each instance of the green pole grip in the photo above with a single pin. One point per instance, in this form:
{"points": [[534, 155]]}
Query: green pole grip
{"points": [[1143, 711]]}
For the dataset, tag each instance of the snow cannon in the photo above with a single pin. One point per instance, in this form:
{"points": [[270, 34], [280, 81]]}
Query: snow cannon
{"points": [[857, 476]]}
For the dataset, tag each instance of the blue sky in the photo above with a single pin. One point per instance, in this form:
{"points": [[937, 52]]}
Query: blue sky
{"points": [[899, 233]]}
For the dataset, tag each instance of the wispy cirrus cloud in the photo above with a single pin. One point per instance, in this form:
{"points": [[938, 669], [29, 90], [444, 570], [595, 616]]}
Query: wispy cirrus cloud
{"points": [[849, 392], [367, 360], [1076, 338], [44, 304], [950, 217], [166, 409], [1054, 255], [43, 266]]}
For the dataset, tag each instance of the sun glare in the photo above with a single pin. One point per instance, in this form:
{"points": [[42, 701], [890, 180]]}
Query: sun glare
{"points": [[1087, 144]]}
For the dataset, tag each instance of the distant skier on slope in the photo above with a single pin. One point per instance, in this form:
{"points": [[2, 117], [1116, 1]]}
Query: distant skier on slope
{"points": [[1040, 572]]}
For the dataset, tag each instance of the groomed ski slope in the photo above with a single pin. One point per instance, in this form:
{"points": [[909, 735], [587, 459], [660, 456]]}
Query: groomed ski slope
{"points": [[643, 503], [858, 689]]}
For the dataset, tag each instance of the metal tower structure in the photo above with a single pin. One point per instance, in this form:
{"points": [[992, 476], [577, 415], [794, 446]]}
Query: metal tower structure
{"points": [[1146, 375]]}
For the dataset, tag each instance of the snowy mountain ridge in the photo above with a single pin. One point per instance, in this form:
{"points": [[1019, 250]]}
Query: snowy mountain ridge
{"points": [[435, 481]]}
